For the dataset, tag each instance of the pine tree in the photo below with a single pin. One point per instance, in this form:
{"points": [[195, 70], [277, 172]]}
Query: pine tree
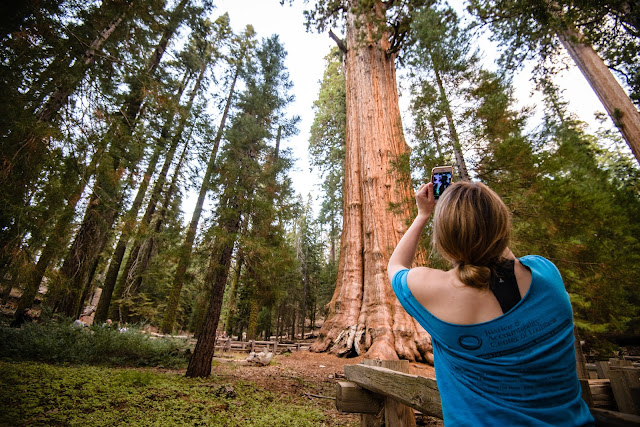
{"points": [[595, 249], [326, 145], [200, 54], [260, 106], [129, 218], [38, 80], [443, 48], [106, 199], [237, 58]]}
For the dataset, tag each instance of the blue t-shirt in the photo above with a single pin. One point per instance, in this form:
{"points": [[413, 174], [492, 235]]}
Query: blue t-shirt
{"points": [[518, 369]]}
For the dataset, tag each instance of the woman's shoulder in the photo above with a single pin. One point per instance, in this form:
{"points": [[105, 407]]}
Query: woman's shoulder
{"points": [[539, 264], [424, 281], [418, 273], [535, 260]]}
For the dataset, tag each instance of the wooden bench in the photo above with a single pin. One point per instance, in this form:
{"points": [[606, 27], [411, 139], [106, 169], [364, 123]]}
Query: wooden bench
{"points": [[384, 390]]}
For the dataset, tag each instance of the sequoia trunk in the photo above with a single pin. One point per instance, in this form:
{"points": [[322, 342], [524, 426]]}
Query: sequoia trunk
{"points": [[364, 315]]}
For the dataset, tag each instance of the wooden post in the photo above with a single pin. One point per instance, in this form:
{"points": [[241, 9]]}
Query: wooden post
{"points": [[602, 368], [625, 386], [253, 345], [619, 362], [586, 392], [350, 398], [601, 394], [581, 369], [581, 363], [395, 413], [275, 346]]}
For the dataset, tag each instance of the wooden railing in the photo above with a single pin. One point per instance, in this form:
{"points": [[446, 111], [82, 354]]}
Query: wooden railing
{"points": [[384, 390], [227, 344]]}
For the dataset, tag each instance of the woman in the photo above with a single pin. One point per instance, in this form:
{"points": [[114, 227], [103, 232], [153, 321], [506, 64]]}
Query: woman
{"points": [[502, 327]]}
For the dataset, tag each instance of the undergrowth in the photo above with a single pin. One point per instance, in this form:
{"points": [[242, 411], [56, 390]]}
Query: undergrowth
{"points": [[62, 343], [38, 394]]}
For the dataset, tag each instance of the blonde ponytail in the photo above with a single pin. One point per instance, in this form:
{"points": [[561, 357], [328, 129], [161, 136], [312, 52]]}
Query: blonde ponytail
{"points": [[472, 228], [473, 275]]}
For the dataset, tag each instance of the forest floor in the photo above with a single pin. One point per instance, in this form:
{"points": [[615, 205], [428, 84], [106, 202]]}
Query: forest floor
{"points": [[306, 375]]}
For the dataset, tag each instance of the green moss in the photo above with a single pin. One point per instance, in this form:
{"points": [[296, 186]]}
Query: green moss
{"points": [[38, 394]]}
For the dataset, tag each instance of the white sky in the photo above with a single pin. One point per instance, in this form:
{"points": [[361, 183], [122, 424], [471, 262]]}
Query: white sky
{"points": [[305, 62]]}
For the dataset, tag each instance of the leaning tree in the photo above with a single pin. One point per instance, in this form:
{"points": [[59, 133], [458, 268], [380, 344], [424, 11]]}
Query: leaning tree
{"points": [[364, 315], [599, 36]]}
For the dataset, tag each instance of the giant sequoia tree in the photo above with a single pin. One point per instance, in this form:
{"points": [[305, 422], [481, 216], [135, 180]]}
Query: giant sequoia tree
{"points": [[364, 316]]}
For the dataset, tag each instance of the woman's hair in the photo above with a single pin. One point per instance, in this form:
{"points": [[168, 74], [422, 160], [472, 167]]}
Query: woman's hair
{"points": [[471, 229]]}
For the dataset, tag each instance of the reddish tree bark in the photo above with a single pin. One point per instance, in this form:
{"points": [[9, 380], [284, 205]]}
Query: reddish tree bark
{"points": [[364, 315]]}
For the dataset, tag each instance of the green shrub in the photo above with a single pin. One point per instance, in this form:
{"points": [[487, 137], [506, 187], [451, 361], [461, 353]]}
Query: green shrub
{"points": [[63, 343]]}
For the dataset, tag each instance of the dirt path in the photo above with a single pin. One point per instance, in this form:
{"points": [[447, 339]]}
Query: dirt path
{"points": [[304, 374]]}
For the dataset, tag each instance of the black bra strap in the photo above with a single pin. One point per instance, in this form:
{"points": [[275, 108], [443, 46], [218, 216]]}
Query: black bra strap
{"points": [[504, 285]]}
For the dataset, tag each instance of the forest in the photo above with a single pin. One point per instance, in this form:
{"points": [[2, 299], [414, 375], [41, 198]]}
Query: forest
{"points": [[115, 113]]}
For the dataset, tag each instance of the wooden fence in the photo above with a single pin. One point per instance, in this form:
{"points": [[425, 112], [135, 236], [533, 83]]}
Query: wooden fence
{"points": [[227, 344], [384, 389], [613, 385]]}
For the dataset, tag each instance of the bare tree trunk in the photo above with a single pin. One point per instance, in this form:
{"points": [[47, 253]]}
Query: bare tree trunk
{"points": [[220, 262], [613, 97], [453, 133], [364, 315]]}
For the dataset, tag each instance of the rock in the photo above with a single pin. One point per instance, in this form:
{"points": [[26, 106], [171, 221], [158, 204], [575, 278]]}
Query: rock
{"points": [[263, 358]]}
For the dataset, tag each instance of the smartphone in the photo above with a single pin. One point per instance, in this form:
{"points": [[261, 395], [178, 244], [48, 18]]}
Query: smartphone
{"points": [[441, 176]]}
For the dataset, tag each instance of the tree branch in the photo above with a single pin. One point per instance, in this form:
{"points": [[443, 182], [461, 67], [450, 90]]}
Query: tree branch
{"points": [[338, 41]]}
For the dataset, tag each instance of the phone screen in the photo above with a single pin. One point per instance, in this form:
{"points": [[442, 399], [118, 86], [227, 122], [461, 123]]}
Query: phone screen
{"points": [[441, 180]]}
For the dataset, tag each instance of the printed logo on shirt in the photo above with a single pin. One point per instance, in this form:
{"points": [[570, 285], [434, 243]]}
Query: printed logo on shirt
{"points": [[524, 336], [470, 342]]}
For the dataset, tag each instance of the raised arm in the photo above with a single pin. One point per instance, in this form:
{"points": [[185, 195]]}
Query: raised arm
{"points": [[402, 256]]}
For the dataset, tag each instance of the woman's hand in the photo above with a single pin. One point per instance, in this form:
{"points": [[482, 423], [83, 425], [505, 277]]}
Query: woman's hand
{"points": [[425, 200]]}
